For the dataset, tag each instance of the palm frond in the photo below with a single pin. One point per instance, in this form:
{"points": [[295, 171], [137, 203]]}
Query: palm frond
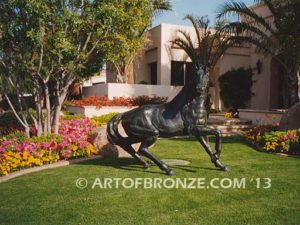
{"points": [[246, 29], [260, 45], [195, 25], [240, 8], [187, 45]]}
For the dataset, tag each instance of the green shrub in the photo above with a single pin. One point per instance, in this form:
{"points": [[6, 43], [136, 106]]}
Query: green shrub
{"points": [[29, 100], [235, 88], [103, 120], [73, 117], [8, 118], [145, 100]]}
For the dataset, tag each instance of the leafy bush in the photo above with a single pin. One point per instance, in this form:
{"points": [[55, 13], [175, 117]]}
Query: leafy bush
{"points": [[73, 117], [17, 151], [29, 100], [235, 88], [103, 120], [9, 124], [275, 141], [145, 100]]}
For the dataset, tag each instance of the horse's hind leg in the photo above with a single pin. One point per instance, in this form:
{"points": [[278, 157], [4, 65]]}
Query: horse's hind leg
{"points": [[128, 148], [126, 145], [214, 157], [145, 152]]}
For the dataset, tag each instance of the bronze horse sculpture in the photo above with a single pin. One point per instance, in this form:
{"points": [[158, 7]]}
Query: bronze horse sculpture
{"points": [[184, 115]]}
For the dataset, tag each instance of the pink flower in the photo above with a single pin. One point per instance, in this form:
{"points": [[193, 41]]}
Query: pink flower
{"points": [[2, 150]]}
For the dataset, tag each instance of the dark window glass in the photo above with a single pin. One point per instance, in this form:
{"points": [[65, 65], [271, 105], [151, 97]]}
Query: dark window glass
{"points": [[189, 71], [177, 73], [153, 72]]}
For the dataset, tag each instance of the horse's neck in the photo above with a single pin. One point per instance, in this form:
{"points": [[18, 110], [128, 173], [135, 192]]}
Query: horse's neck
{"points": [[180, 100], [200, 101]]}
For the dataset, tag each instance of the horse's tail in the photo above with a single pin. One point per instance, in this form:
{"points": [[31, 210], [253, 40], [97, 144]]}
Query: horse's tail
{"points": [[112, 131]]}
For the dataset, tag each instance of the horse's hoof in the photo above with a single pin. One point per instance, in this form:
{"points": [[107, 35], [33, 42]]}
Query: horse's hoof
{"points": [[171, 173], [146, 166], [224, 168]]}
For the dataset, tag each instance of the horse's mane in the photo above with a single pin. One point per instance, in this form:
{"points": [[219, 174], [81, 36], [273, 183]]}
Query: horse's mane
{"points": [[182, 97]]}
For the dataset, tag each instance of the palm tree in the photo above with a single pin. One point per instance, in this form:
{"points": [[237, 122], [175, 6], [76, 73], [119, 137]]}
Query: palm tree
{"points": [[208, 47], [280, 40]]}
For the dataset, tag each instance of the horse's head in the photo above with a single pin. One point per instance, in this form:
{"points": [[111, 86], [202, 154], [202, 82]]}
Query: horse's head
{"points": [[202, 81]]}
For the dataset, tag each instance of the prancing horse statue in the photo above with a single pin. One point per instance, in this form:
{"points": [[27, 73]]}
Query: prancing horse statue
{"points": [[184, 115]]}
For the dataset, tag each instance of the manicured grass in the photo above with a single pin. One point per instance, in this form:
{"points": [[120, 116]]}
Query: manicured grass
{"points": [[51, 197]]}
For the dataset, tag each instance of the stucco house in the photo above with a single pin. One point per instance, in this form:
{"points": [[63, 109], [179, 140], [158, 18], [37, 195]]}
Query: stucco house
{"points": [[164, 66]]}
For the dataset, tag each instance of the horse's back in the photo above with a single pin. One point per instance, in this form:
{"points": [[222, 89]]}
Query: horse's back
{"points": [[157, 118]]}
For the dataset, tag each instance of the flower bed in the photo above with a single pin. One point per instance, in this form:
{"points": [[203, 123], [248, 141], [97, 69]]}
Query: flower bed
{"points": [[121, 101], [97, 106], [18, 152], [271, 140]]}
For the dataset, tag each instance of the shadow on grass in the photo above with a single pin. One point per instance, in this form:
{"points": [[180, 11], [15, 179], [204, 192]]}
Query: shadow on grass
{"points": [[128, 164], [131, 164], [229, 140]]}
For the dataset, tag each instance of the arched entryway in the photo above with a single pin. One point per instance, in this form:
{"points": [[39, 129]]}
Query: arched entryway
{"points": [[278, 86]]}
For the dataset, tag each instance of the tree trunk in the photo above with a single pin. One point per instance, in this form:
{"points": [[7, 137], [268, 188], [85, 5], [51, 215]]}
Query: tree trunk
{"points": [[129, 73], [56, 117], [47, 123], [121, 73], [23, 122], [61, 94], [38, 108], [293, 85], [57, 110]]}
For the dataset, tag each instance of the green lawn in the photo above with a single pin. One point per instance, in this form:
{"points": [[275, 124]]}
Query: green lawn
{"points": [[51, 197]]}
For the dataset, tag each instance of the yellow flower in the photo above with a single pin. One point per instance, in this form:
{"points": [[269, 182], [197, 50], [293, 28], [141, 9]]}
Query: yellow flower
{"points": [[17, 155], [74, 148], [31, 159], [228, 115], [14, 165], [5, 173], [45, 159], [90, 149], [25, 155]]}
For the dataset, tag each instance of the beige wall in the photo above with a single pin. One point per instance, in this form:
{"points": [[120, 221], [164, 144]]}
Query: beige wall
{"points": [[112, 90], [159, 51]]}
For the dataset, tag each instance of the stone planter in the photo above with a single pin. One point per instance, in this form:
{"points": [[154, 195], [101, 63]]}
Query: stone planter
{"points": [[261, 117], [90, 111]]}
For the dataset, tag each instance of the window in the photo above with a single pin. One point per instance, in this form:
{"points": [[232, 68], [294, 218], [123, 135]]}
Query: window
{"points": [[189, 71], [181, 72], [153, 72]]}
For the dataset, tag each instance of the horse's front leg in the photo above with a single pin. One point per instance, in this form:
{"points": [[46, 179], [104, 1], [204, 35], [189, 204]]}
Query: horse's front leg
{"points": [[201, 134]]}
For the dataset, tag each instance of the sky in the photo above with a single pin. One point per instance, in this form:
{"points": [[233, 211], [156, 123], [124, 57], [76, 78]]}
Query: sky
{"points": [[195, 7]]}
